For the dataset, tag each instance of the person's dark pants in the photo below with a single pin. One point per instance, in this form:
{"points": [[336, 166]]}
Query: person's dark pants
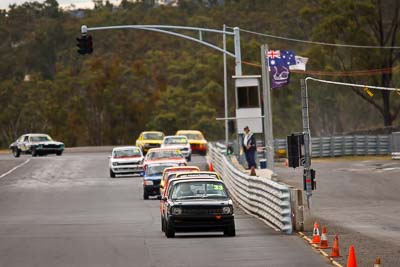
{"points": [[250, 158], [246, 154]]}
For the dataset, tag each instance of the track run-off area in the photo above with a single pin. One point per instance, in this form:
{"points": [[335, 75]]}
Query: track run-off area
{"points": [[358, 199], [67, 211]]}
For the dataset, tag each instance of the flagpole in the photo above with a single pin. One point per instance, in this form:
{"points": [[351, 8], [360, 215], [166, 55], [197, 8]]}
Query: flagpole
{"points": [[268, 133]]}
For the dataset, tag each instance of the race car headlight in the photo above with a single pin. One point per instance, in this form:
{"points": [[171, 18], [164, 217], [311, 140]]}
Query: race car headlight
{"points": [[146, 182], [115, 163], [176, 211], [227, 210], [146, 145]]}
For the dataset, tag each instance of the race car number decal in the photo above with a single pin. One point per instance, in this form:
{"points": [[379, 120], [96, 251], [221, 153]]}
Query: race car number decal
{"points": [[218, 187]]}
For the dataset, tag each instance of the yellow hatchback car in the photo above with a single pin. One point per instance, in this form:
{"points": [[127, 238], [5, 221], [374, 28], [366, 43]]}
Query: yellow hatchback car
{"points": [[196, 139], [149, 139]]}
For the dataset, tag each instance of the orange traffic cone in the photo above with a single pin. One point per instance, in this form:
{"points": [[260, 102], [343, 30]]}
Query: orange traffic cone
{"points": [[210, 167], [352, 261], [324, 239], [377, 262], [316, 239], [335, 249]]}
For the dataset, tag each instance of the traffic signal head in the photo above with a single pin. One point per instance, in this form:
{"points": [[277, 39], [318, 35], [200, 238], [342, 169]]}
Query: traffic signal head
{"points": [[294, 149], [81, 44], [313, 181], [89, 44], [309, 181], [85, 44]]}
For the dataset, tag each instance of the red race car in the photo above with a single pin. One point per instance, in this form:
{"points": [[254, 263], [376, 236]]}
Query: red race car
{"points": [[158, 155]]}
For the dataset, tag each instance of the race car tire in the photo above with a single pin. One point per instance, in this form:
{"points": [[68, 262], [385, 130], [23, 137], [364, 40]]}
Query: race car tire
{"points": [[16, 152], [34, 152], [169, 230], [230, 231], [162, 224], [112, 174]]}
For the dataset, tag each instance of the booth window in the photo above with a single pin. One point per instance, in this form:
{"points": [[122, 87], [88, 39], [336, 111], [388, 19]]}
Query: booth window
{"points": [[248, 97]]}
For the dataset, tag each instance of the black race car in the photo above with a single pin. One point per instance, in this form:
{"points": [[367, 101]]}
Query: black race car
{"points": [[195, 205], [37, 145]]}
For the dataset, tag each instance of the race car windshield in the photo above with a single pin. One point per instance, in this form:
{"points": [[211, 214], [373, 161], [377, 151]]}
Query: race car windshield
{"points": [[165, 154], [127, 153], [194, 136], [170, 176], [40, 138], [157, 170], [199, 190], [175, 141], [153, 136], [198, 174]]}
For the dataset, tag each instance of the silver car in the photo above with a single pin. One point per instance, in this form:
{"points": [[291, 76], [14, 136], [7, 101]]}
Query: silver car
{"points": [[126, 160], [179, 142]]}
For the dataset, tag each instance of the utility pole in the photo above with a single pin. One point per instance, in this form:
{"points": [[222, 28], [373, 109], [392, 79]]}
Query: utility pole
{"points": [[226, 91], [268, 133], [238, 55]]}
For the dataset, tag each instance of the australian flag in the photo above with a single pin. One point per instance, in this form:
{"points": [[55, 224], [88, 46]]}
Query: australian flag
{"points": [[279, 62]]}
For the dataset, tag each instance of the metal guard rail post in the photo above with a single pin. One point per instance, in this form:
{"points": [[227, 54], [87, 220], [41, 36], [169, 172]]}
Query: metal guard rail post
{"points": [[258, 196]]}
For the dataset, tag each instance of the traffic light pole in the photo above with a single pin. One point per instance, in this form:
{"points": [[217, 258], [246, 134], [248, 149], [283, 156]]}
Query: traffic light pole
{"points": [[167, 29], [307, 143]]}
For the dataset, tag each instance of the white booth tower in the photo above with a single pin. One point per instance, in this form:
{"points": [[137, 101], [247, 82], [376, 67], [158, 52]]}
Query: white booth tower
{"points": [[248, 103]]}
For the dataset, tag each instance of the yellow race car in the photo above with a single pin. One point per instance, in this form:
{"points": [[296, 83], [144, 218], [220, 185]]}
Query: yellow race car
{"points": [[196, 139], [149, 139]]}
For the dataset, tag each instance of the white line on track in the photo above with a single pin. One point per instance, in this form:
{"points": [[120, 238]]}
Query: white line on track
{"points": [[13, 169]]}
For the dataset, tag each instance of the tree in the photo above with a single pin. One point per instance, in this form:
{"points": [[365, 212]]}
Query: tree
{"points": [[372, 22]]}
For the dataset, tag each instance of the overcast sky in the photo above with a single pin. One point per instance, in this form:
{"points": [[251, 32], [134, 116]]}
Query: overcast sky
{"points": [[63, 3]]}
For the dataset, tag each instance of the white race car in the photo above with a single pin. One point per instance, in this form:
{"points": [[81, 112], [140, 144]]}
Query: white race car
{"points": [[126, 160], [179, 142]]}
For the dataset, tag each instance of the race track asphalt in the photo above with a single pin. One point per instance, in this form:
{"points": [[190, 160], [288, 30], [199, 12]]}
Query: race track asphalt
{"points": [[67, 211]]}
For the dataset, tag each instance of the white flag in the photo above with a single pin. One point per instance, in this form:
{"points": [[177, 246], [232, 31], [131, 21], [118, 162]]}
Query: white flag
{"points": [[300, 63]]}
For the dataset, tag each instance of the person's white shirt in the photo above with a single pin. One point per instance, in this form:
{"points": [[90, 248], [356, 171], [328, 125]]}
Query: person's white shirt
{"points": [[247, 138]]}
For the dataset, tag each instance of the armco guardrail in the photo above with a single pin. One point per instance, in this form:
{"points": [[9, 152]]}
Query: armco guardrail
{"points": [[345, 145], [351, 145], [259, 196], [395, 145]]}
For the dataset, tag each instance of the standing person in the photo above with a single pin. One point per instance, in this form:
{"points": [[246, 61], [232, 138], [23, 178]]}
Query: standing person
{"points": [[249, 147]]}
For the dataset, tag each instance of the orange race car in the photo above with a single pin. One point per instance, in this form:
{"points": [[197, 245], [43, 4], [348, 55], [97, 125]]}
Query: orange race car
{"points": [[171, 171], [196, 139], [159, 155]]}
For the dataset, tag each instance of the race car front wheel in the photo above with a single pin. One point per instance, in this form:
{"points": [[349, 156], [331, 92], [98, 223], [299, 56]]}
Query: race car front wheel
{"points": [[16, 152]]}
